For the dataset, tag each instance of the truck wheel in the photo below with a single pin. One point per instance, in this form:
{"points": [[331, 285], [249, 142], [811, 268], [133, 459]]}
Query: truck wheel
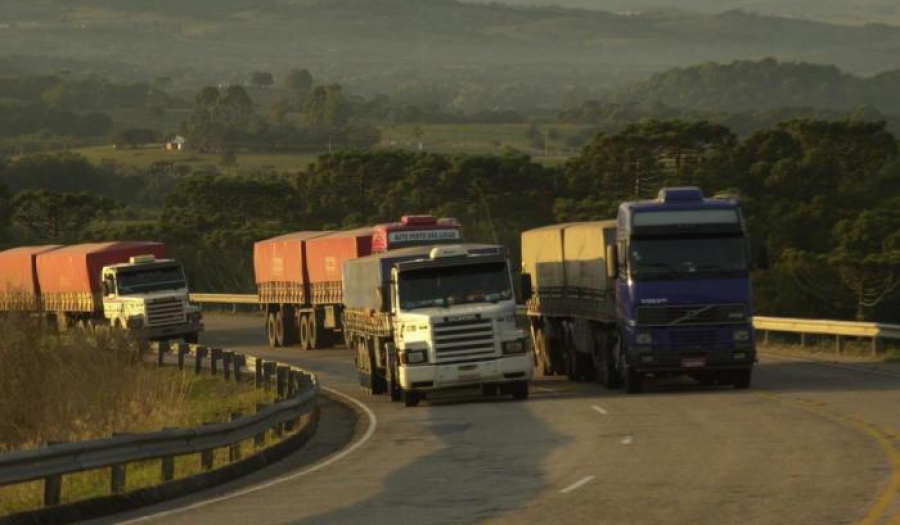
{"points": [[192, 339], [607, 374], [313, 330], [741, 379], [270, 330], [288, 325], [394, 385], [304, 333], [519, 390], [411, 398], [279, 328]]}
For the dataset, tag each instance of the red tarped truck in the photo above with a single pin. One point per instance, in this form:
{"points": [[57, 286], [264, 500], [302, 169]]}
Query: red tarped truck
{"points": [[299, 275], [124, 284]]}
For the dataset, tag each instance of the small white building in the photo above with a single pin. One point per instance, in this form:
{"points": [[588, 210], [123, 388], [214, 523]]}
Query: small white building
{"points": [[176, 144]]}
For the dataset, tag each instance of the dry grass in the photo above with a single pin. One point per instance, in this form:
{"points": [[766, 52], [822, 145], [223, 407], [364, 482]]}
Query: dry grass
{"points": [[77, 387]]}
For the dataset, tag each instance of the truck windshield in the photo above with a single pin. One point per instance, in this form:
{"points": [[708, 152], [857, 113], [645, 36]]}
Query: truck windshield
{"points": [[687, 257], [449, 285], [150, 280]]}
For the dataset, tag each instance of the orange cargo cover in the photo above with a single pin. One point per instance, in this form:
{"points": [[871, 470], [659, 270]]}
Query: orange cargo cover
{"points": [[19, 288], [70, 277], [279, 264], [325, 258]]}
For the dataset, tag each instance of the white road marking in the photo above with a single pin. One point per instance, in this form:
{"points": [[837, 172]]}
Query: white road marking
{"points": [[627, 440], [373, 424], [578, 484], [831, 365], [545, 389], [599, 409]]}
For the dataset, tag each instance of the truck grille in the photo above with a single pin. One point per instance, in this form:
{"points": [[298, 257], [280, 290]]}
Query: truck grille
{"points": [[691, 315], [457, 341], [165, 312], [705, 339]]}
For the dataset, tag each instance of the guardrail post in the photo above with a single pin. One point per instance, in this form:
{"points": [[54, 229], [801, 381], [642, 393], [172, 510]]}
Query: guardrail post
{"points": [[268, 372], [227, 361], [199, 354], [839, 344], [802, 340], [215, 354], [292, 383], [181, 349], [53, 484], [281, 378], [168, 468], [208, 456], [234, 451], [766, 337], [160, 350], [239, 361], [876, 346], [260, 439], [260, 364], [117, 478]]}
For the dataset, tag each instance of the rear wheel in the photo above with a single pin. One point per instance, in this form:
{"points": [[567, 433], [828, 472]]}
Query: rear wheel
{"points": [[632, 381], [313, 329], [304, 332], [279, 328], [270, 330]]}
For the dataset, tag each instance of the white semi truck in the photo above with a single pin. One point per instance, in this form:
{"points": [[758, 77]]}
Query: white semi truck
{"points": [[434, 318]]}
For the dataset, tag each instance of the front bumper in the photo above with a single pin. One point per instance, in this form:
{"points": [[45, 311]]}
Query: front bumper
{"points": [[171, 331], [648, 360], [506, 369]]}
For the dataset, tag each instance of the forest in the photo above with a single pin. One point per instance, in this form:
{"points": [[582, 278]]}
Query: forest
{"points": [[820, 195]]}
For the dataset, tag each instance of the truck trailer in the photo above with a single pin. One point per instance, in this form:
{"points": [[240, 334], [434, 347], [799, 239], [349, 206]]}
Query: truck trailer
{"points": [[128, 285], [432, 318], [299, 276], [663, 290]]}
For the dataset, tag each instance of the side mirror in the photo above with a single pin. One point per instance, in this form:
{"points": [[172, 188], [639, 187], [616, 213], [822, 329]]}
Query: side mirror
{"points": [[527, 290], [612, 261], [107, 287]]}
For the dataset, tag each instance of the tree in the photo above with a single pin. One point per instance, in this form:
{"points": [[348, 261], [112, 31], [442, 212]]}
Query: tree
{"points": [[325, 109], [278, 111], [135, 137], [262, 79], [5, 208], [220, 115], [58, 216], [298, 82]]}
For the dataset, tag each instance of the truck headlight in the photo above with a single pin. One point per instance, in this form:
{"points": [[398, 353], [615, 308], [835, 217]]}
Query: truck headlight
{"points": [[135, 322], [741, 335], [413, 357], [643, 338], [514, 347]]}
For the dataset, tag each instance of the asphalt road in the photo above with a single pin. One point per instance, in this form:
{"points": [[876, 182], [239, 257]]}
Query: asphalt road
{"points": [[807, 444]]}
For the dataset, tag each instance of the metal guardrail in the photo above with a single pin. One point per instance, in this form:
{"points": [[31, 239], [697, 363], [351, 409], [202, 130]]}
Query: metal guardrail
{"points": [[297, 392], [838, 329]]}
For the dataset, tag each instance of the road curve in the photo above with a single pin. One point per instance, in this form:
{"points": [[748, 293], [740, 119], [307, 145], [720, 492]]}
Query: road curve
{"points": [[807, 444]]}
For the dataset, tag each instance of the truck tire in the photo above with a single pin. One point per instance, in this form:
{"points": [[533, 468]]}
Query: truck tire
{"points": [[304, 333], [192, 338], [607, 375], [519, 390], [741, 379], [394, 385], [411, 398], [279, 328], [313, 329], [289, 325], [270, 330]]}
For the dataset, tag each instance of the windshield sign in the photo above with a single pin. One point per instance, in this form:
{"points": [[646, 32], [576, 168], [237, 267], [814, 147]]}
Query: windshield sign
{"points": [[150, 280], [668, 218], [687, 257], [451, 285]]}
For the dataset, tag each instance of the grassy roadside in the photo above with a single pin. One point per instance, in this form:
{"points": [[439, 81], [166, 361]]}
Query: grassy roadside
{"points": [[80, 387], [854, 353]]}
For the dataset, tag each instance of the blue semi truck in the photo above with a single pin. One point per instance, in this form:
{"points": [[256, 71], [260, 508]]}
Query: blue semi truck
{"points": [[664, 290]]}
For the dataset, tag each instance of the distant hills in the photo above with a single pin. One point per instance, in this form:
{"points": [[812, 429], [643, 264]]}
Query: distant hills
{"points": [[490, 55]]}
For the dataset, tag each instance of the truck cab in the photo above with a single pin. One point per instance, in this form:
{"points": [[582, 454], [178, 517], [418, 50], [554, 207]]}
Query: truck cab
{"points": [[450, 317], [150, 296], [684, 305]]}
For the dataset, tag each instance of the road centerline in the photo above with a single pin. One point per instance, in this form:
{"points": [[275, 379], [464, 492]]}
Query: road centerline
{"points": [[577, 485], [599, 409]]}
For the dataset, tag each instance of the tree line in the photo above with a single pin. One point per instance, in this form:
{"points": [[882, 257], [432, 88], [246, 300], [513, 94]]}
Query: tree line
{"points": [[821, 195]]}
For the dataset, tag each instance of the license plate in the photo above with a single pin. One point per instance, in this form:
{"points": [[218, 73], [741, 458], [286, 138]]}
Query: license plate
{"points": [[693, 362]]}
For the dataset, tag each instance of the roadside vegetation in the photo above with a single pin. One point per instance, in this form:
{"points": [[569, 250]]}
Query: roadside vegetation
{"points": [[78, 387]]}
